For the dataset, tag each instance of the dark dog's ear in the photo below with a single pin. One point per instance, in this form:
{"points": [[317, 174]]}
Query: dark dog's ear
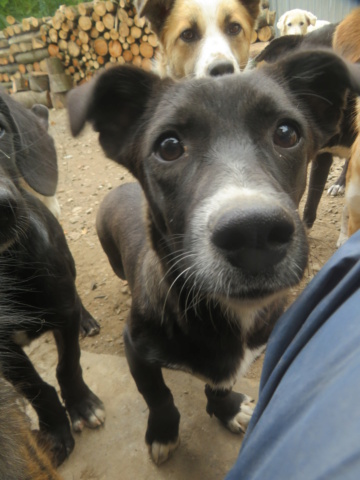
{"points": [[114, 103], [42, 113], [321, 80], [35, 154], [278, 48], [156, 11]]}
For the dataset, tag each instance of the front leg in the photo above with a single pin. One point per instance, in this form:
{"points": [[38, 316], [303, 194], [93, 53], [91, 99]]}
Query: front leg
{"points": [[53, 422], [162, 433], [84, 407], [233, 409]]}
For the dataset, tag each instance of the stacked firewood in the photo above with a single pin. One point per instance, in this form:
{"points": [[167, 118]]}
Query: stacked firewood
{"points": [[96, 34], [84, 38], [264, 27]]}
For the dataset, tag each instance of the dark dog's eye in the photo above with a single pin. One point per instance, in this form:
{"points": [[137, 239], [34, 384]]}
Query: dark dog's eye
{"points": [[233, 29], [289, 24], [170, 148], [189, 35], [301, 24], [286, 136]]}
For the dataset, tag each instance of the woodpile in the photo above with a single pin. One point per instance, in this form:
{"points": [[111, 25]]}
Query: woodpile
{"points": [[264, 27], [84, 38]]}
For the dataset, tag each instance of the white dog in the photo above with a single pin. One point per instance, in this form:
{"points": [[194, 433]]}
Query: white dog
{"points": [[299, 22]]}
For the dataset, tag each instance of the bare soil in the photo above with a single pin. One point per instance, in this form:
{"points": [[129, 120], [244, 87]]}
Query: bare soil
{"points": [[86, 176]]}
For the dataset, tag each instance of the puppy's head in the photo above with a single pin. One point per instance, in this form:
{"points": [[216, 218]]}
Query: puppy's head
{"points": [[295, 22], [201, 37], [27, 153], [223, 162]]}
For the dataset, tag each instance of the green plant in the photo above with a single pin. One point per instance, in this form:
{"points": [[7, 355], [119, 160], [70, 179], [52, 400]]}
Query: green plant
{"points": [[20, 9]]}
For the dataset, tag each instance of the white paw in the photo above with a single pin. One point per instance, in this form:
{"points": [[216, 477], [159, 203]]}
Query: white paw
{"points": [[240, 422], [160, 452], [336, 190], [343, 237]]}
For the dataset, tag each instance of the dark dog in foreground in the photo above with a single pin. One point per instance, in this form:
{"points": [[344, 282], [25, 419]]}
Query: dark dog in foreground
{"points": [[210, 239], [34, 255], [340, 144]]}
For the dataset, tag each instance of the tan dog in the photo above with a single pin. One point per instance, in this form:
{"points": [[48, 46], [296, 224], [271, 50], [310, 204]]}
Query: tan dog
{"points": [[201, 37], [347, 43], [299, 22]]}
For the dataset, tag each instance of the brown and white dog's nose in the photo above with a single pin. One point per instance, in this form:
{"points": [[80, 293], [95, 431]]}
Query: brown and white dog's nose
{"points": [[254, 238], [221, 67]]}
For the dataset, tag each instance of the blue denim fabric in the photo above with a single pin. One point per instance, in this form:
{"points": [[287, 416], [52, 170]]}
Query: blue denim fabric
{"points": [[306, 424]]}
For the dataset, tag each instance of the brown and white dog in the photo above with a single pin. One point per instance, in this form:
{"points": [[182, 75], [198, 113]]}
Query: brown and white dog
{"points": [[299, 22], [201, 37]]}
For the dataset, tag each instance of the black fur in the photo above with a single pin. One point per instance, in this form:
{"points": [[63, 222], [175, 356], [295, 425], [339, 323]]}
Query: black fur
{"points": [[344, 138], [210, 238], [35, 257]]}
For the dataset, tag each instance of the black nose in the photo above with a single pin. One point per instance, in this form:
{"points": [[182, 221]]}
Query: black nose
{"points": [[254, 238], [221, 67]]}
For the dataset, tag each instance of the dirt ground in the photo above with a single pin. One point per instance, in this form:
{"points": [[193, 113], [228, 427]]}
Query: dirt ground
{"points": [[86, 176]]}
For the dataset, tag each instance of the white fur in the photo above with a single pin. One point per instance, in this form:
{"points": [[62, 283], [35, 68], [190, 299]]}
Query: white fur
{"points": [[160, 451], [240, 422], [209, 263], [299, 22], [215, 45]]}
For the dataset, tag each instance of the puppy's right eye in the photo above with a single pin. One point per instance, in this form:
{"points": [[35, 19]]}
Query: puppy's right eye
{"points": [[169, 148], [289, 24]]}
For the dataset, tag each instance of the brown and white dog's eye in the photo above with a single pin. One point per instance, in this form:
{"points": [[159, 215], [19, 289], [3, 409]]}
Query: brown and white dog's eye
{"points": [[169, 148], [286, 136], [233, 28], [189, 35]]}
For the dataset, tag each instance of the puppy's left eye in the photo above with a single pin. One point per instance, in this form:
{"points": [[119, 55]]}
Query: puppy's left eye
{"points": [[289, 24], [189, 35], [169, 148], [301, 24], [286, 136], [233, 29]]}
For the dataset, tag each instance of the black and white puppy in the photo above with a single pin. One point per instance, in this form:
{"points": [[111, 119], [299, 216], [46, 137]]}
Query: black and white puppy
{"points": [[35, 258], [210, 239]]}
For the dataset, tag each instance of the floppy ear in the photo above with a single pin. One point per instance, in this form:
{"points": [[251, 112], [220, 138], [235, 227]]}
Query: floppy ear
{"points": [[156, 11], [321, 81], [114, 102], [35, 154], [281, 22], [310, 18]]}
